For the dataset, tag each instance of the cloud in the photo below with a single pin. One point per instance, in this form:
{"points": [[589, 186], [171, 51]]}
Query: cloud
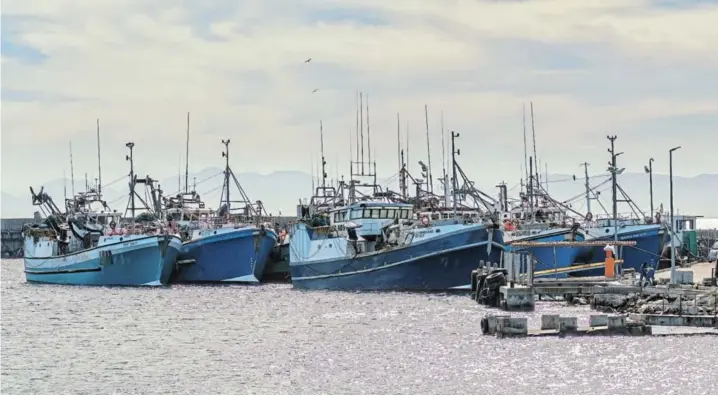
{"points": [[590, 67]]}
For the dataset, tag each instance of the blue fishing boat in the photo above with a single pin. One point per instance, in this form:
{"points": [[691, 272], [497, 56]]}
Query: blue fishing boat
{"points": [[363, 247], [549, 261], [79, 249], [376, 243], [649, 237], [649, 240], [231, 245], [537, 217]]}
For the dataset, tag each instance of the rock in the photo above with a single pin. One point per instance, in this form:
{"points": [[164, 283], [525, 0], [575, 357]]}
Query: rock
{"points": [[610, 300]]}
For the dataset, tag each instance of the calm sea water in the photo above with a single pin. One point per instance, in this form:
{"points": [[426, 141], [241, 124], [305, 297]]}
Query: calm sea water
{"points": [[272, 339]]}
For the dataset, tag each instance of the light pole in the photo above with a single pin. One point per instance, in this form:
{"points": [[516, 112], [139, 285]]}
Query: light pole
{"points": [[649, 170], [673, 239]]}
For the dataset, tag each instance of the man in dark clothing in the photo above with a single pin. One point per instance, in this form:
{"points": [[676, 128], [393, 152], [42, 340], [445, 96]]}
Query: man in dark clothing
{"points": [[644, 270]]}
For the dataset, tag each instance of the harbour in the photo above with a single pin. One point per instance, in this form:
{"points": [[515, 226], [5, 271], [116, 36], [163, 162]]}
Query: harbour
{"points": [[359, 197], [353, 249]]}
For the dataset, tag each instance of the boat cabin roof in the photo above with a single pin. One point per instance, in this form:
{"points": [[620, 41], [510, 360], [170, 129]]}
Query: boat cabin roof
{"points": [[361, 205]]}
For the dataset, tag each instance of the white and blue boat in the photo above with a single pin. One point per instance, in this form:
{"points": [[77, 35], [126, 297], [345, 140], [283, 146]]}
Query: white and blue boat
{"points": [[231, 245], [363, 246], [77, 250]]}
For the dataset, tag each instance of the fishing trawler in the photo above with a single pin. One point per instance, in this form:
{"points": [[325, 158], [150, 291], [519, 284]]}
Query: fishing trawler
{"points": [[374, 243], [233, 246], [83, 247], [537, 217], [649, 237]]}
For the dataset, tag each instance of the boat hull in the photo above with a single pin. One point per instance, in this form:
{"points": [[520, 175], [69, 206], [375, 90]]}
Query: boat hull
{"points": [[230, 255], [437, 264], [278, 265], [131, 261], [649, 243], [549, 259]]}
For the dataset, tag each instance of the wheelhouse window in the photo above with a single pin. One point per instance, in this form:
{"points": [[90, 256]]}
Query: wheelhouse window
{"points": [[391, 213], [356, 214], [384, 214]]}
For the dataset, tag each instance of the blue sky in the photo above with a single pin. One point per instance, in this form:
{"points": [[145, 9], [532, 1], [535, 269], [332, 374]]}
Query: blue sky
{"points": [[644, 70]]}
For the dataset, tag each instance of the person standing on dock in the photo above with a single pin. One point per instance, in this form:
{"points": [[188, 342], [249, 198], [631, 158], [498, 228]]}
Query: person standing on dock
{"points": [[644, 270]]}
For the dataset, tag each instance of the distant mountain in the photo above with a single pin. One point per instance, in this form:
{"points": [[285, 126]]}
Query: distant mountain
{"points": [[281, 191], [691, 195]]}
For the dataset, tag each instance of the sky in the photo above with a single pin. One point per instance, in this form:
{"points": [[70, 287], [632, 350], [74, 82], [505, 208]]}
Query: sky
{"points": [[645, 71]]}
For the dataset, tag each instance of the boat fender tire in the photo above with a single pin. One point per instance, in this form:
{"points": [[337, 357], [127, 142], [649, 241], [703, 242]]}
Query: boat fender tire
{"points": [[589, 216], [484, 325], [474, 280], [496, 277]]}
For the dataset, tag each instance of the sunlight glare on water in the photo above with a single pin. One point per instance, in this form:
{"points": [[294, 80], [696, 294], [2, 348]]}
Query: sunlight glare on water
{"points": [[272, 339]]}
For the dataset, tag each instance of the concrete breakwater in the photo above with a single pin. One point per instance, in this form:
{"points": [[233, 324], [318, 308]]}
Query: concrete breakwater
{"points": [[700, 304]]}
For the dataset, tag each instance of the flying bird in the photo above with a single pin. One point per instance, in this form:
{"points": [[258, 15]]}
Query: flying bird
{"points": [[308, 60], [315, 90]]}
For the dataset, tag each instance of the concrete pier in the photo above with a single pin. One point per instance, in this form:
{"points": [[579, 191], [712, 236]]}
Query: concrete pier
{"points": [[556, 325], [676, 320]]}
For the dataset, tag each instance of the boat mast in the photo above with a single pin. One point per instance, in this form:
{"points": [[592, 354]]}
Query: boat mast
{"points": [[588, 188], [454, 153], [428, 149], [99, 163], [407, 144], [72, 173], [130, 145], [533, 131], [356, 99], [531, 188], [324, 162], [526, 158], [225, 154], [361, 128], [368, 133], [186, 162], [443, 161]]}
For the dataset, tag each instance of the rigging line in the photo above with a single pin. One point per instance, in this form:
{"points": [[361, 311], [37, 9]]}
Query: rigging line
{"points": [[212, 190], [115, 181], [583, 194], [116, 199], [200, 182], [576, 180]]}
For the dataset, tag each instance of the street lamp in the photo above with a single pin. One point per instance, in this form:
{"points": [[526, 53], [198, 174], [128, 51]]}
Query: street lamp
{"points": [[649, 170], [673, 239]]}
